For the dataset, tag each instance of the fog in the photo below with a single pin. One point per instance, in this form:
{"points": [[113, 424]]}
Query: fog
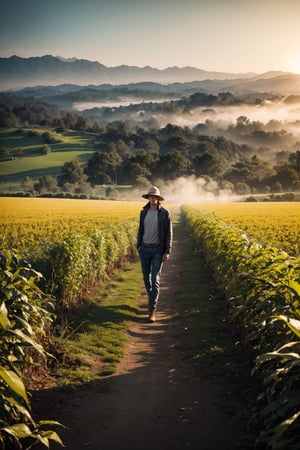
{"points": [[263, 113], [124, 101], [224, 116], [187, 190], [269, 117]]}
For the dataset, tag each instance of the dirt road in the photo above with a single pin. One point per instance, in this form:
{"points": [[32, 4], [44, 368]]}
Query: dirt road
{"points": [[154, 400]]}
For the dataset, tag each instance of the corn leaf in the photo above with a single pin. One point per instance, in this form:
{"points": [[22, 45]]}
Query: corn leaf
{"points": [[4, 321], [18, 430], [14, 382], [293, 324]]}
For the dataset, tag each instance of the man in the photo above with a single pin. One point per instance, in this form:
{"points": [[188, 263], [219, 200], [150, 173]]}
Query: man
{"points": [[154, 243]]}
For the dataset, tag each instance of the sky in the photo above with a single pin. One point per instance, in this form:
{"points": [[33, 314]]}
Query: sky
{"points": [[217, 35]]}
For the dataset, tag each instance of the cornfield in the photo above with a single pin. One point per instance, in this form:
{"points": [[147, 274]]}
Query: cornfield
{"points": [[53, 251], [251, 249], [261, 285], [276, 224], [74, 243]]}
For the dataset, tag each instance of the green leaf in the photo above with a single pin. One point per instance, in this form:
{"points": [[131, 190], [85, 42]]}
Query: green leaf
{"points": [[53, 436], [265, 357], [25, 412], [4, 321], [28, 339], [50, 422], [293, 324], [18, 430], [294, 287], [282, 427], [14, 382]]}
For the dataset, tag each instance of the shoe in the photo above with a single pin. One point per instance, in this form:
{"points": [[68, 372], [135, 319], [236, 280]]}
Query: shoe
{"points": [[152, 317]]}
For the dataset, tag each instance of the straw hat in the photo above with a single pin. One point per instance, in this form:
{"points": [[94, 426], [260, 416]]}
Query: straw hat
{"points": [[153, 190]]}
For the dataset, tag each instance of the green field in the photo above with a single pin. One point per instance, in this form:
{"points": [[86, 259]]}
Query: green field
{"points": [[13, 169]]}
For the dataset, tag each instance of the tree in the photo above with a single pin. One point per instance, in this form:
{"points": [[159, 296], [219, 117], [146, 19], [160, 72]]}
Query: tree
{"points": [[46, 183], [287, 177], [294, 160], [8, 119], [133, 172], [82, 123], [4, 152], [19, 152], [254, 172], [51, 138], [173, 164], [28, 184], [45, 149], [102, 167], [72, 173], [207, 163], [69, 121], [242, 188]]}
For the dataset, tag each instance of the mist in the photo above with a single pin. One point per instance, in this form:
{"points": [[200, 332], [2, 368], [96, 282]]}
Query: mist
{"points": [[222, 117], [187, 190], [121, 101], [276, 116]]}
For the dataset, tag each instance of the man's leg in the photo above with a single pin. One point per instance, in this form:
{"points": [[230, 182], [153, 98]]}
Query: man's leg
{"points": [[145, 258], [156, 266]]}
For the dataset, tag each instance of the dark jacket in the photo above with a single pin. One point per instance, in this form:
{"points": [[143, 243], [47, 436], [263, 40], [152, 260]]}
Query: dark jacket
{"points": [[165, 230]]}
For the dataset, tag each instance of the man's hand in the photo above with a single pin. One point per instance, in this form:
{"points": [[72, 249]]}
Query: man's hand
{"points": [[165, 257]]}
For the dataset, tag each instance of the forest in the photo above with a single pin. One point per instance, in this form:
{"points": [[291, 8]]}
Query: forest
{"points": [[139, 147]]}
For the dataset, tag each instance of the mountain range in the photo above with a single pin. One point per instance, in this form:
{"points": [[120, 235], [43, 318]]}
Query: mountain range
{"points": [[18, 73]]}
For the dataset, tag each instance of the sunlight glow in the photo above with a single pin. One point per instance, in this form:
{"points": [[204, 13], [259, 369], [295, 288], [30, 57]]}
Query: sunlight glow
{"points": [[295, 64]]}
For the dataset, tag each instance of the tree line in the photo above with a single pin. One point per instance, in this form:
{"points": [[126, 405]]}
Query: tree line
{"points": [[138, 156], [124, 156]]}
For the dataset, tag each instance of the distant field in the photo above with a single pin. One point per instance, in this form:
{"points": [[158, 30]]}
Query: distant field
{"points": [[271, 223], [73, 146], [34, 224]]}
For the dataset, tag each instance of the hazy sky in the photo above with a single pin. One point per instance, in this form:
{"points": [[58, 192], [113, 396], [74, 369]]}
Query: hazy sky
{"points": [[223, 35]]}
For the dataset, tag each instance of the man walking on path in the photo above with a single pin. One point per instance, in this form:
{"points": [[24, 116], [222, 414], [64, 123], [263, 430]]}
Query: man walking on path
{"points": [[154, 243]]}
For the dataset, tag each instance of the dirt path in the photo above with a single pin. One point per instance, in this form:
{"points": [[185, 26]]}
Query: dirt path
{"points": [[154, 400]]}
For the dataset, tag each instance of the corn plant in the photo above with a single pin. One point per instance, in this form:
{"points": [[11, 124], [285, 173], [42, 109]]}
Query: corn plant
{"points": [[24, 315], [261, 285], [82, 260], [271, 223]]}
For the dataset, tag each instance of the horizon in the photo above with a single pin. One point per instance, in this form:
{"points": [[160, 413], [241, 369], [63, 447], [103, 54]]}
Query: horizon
{"points": [[72, 59], [229, 36]]}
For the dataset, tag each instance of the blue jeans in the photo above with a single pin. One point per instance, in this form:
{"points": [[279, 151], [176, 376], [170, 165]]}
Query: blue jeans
{"points": [[151, 262]]}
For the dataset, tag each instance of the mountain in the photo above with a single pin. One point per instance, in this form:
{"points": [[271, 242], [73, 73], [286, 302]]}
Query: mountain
{"points": [[17, 72], [288, 83], [54, 71]]}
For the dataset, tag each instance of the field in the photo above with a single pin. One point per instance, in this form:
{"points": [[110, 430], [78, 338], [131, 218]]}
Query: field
{"points": [[260, 284], [27, 221], [78, 212], [32, 224], [53, 253], [77, 243], [70, 146], [276, 224]]}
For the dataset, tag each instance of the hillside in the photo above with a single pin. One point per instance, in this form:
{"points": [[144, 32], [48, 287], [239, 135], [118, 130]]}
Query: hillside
{"points": [[32, 163]]}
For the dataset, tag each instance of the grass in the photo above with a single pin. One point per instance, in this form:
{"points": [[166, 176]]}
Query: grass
{"points": [[92, 342], [74, 146]]}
